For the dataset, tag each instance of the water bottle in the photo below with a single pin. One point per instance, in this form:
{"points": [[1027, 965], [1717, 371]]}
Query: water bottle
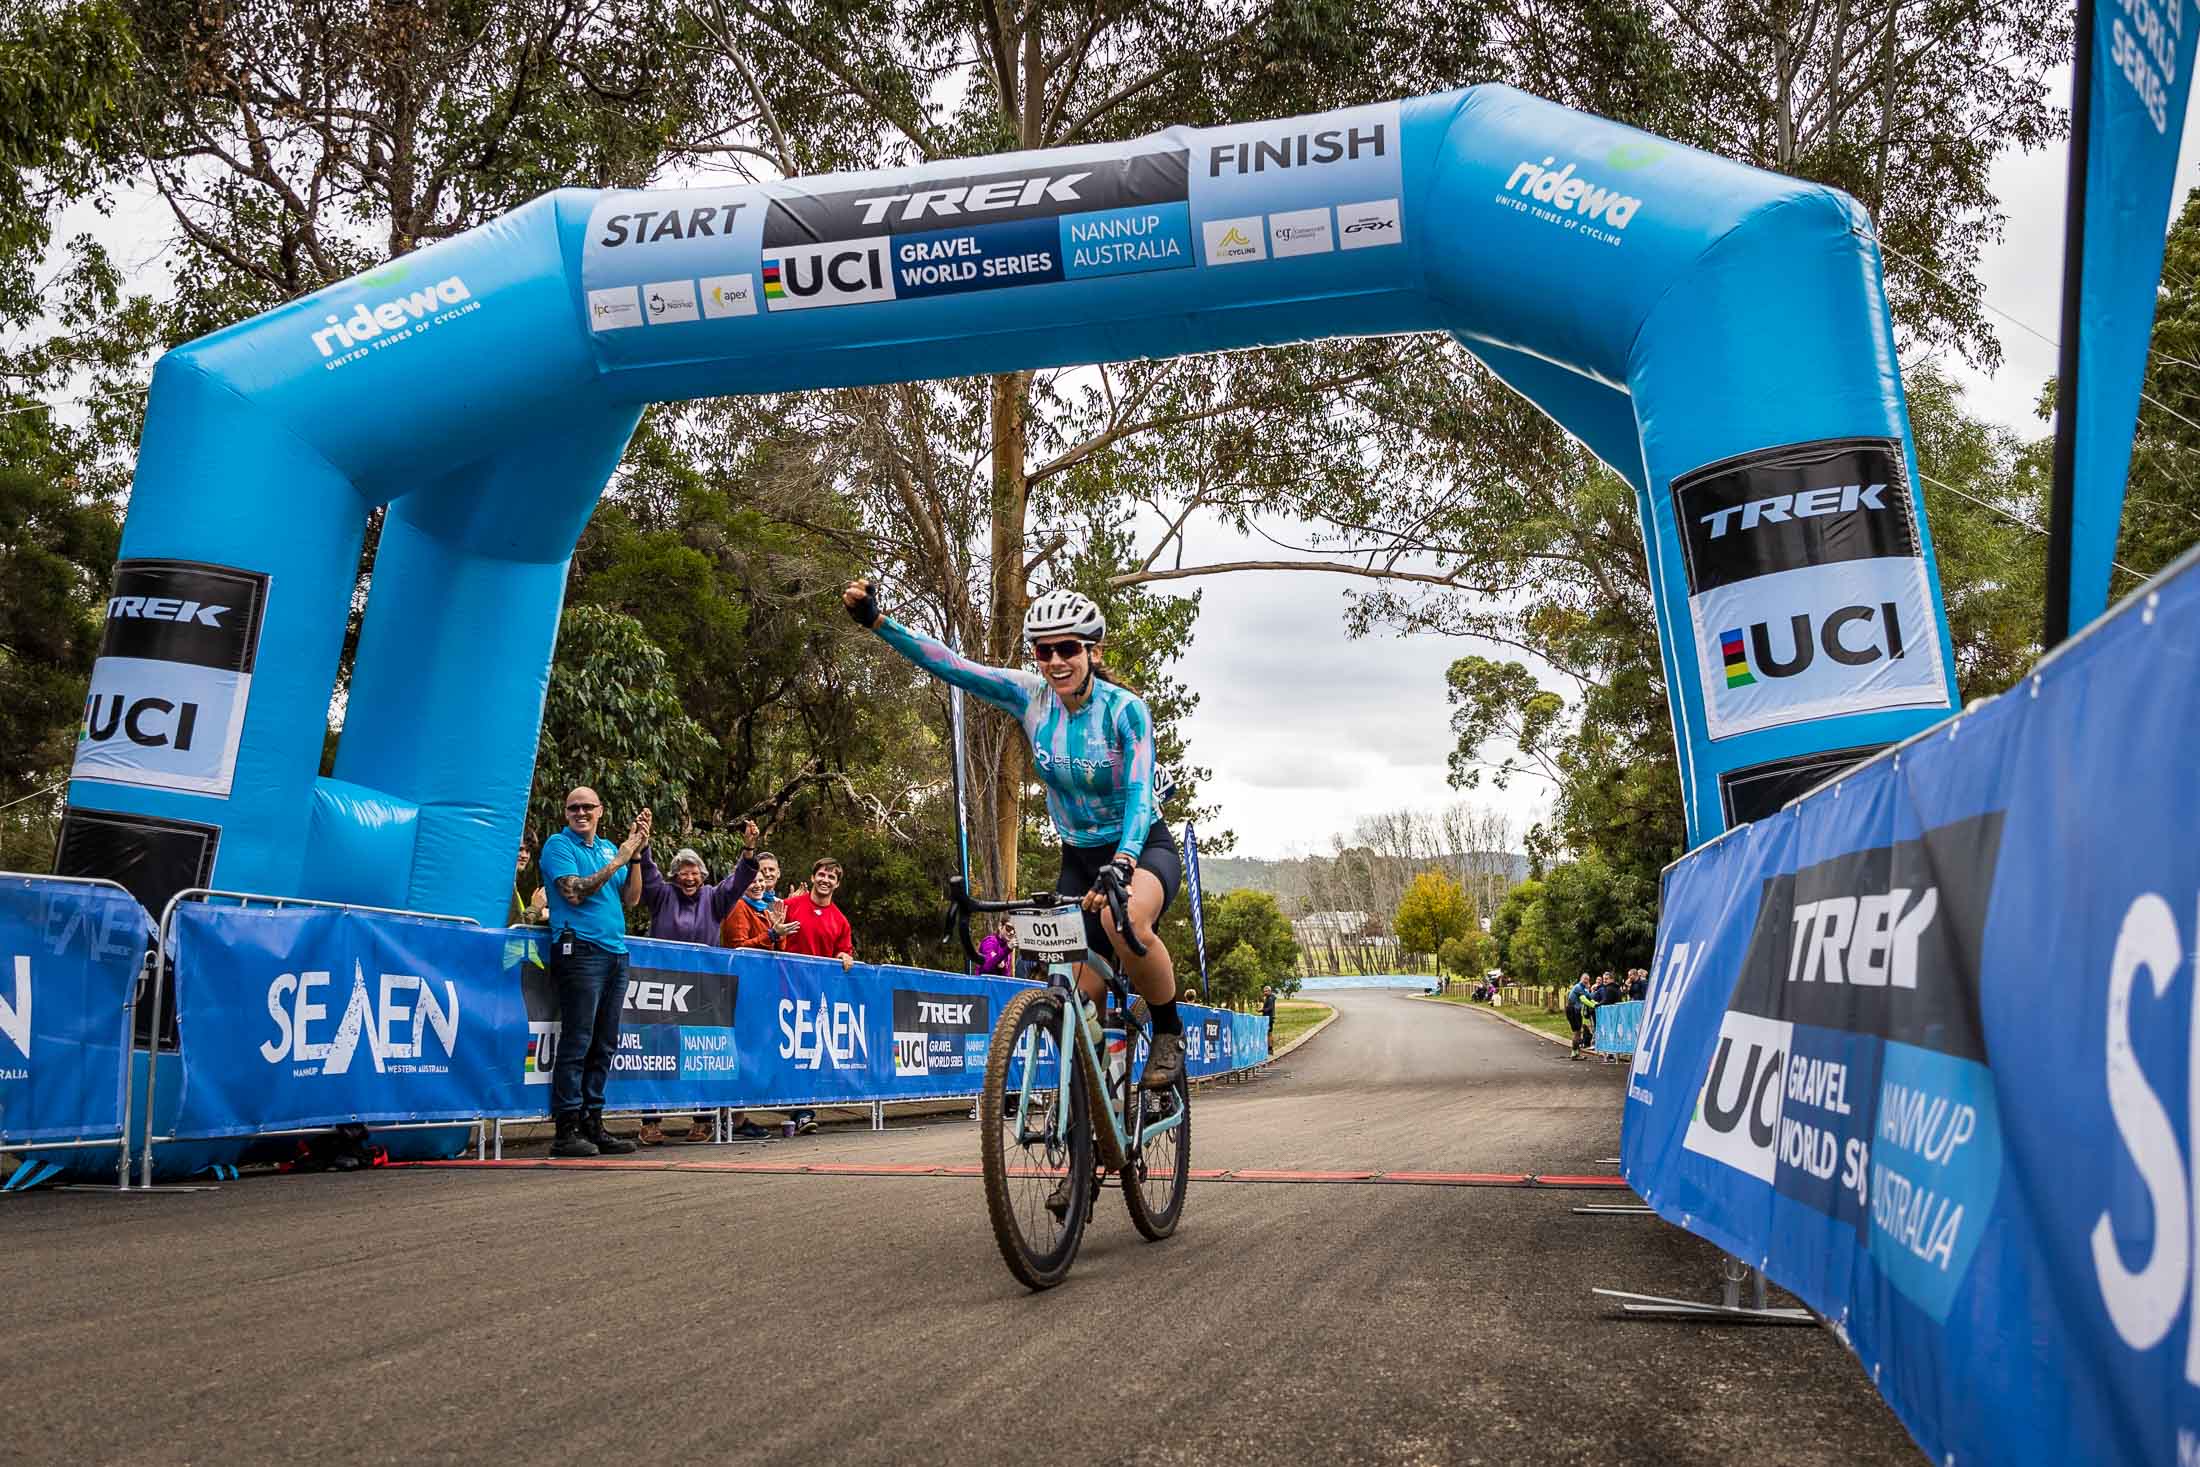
{"points": [[1118, 1052]]}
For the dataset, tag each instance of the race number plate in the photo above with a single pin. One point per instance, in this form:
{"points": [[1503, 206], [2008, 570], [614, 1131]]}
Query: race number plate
{"points": [[1058, 933]]}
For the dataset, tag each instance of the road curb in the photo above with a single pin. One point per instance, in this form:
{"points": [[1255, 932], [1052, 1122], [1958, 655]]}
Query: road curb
{"points": [[1309, 1034], [1492, 1013]]}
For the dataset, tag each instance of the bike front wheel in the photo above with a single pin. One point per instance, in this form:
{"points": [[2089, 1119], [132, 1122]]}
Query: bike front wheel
{"points": [[1153, 1185], [1038, 1171]]}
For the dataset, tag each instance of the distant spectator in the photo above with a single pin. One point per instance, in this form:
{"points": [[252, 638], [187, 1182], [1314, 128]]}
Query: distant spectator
{"points": [[1268, 1010], [1638, 982], [1609, 989], [526, 911], [993, 955], [688, 909], [751, 923], [1576, 997], [588, 965]]}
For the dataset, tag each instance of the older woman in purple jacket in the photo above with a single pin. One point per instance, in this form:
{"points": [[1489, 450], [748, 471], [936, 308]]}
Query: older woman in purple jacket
{"points": [[688, 908]]}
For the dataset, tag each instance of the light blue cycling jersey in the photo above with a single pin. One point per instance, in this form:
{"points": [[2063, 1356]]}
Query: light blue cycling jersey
{"points": [[1097, 764]]}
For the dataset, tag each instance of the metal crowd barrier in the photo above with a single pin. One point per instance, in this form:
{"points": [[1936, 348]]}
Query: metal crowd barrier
{"points": [[164, 962], [121, 1139]]}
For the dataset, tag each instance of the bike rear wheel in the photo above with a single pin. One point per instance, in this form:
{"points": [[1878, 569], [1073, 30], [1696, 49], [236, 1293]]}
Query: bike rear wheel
{"points": [[1027, 1164], [1154, 1184]]}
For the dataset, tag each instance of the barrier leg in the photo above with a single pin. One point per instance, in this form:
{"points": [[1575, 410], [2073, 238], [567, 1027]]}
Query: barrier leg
{"points": [[499, 1138], [1729, 1310]]}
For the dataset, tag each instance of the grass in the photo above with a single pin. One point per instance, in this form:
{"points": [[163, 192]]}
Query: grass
{"points": [[1294, 1016], [1530, 1014]]}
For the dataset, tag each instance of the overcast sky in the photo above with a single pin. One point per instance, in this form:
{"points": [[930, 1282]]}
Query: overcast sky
{"points": [[1306, 730]]}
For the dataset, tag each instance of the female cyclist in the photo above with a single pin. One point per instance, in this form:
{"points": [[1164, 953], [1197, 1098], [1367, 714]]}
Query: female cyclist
{"points": [[1092, 740]]}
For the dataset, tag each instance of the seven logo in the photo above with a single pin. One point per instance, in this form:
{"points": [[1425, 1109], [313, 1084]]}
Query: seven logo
{"points": [[379, 1016], [817, 1033], [1803, 647]]}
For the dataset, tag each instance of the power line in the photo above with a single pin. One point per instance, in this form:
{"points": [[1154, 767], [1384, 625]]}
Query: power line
{"points": [[35, 794], [2015, 519]]}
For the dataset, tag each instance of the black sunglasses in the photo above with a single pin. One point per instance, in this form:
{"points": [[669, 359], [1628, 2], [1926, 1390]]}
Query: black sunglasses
{"points": [[577, 809], [1050, 651]]}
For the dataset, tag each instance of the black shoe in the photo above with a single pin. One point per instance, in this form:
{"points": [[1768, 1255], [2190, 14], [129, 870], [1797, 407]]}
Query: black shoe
{"points": [[570, 1141], [1058, 1199], [1164, 1063], [606, 1143]]}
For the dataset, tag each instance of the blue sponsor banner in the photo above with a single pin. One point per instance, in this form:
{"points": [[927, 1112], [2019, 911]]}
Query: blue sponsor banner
{"points": [[1924, 1043], [304, 1017], [1617, 1026], [308, 1017], [2141, 81], [70, 953]]}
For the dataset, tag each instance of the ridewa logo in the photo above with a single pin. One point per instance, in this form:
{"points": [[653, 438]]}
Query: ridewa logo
{"points": [[1566, 193], [346, 339]]}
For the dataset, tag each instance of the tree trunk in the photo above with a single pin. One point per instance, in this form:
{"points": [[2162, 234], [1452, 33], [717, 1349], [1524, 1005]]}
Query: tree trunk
{"points": [[1011, 499]]}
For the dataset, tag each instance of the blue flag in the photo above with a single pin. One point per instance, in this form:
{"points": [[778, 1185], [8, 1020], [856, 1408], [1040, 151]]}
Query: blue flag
{"points": [[1199, 917], [2142, 54]]}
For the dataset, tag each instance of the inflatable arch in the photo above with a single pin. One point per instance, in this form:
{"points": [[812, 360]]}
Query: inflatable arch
{"points": [[1716, 334]]}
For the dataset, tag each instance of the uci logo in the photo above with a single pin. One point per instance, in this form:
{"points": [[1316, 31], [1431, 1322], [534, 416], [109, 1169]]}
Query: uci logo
{"points": [[828, 275], [1737, 1118], [1854, 636], [136, 719]]}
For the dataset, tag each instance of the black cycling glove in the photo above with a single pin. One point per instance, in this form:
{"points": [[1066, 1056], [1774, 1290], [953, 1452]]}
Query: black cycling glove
{"points": [[865, 613]]}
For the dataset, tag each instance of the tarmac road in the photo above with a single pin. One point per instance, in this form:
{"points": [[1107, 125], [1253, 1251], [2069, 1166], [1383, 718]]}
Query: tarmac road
{"points": [[653, 1315]]}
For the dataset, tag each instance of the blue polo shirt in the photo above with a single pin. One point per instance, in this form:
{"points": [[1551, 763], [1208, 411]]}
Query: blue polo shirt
{"points": [[601, 919]]}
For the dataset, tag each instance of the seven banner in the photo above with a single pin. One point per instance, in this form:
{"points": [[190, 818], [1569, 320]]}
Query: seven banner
{"points": [[301, 1017], [1925, 1044], [70, 954], [1618, 1025]]}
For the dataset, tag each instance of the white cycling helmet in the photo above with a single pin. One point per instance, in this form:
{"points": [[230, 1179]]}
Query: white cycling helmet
{"points": [[1064, 614]]}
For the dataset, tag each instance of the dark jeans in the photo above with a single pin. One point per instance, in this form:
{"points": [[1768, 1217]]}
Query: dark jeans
{"points": [[591, 990]]}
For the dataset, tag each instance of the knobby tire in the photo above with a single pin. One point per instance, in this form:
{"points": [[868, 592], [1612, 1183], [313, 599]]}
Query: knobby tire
{"points": [[1037, 1265]]}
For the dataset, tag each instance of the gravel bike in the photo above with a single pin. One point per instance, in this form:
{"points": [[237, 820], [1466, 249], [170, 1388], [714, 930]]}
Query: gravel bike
{"points": [[1042, 1149]]}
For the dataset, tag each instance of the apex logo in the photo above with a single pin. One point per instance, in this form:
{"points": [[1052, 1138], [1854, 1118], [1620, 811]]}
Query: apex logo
{"points": [[15, 1016], [366, 322], [165, 608], [394, 1018], [1780, 508], [1832, 636], [1568, 194], [972, 198]]}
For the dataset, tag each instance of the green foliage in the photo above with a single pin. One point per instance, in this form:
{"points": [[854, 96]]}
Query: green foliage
{"points": [[1468, 955], [1432, 912], [2162, 500], [1595, 917], [612, 721], [1517, 929], [1250, 932]]}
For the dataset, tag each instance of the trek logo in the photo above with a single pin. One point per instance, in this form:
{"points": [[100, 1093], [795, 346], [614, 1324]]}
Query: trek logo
{"points": [[846, 274], [659, 998], [1567, 194], [367, 322], [1780, 508], [944, 1013], [1852, 648], [396, 1016], [956, 200], [820, 1034], [1870, 940], [15, 1014], [1829, 502], [106, 713], [166, 608], [1300, 149]]}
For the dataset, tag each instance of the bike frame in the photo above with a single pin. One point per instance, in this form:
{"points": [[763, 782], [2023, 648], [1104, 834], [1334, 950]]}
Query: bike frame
{"points": [[1062, 979]]}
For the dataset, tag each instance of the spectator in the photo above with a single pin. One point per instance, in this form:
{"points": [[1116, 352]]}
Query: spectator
{"points": [[821, 929], [1576, 996], [1268, 1011], [817, 928], [526, 911], [688, 909], [1609, 989], [1638, 983], [993, 955], [751, 923], [588, 965]]}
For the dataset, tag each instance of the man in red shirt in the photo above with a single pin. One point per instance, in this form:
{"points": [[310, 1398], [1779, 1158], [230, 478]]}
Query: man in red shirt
{"points": [[823, 930]]}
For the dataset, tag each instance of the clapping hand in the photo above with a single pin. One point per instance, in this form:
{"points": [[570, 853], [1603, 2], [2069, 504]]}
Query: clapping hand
{"points": [[638, 837]]}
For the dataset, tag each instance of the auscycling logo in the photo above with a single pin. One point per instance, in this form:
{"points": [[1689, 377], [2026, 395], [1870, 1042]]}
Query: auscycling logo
{"points": [[371, 326], [1569, 194]]}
